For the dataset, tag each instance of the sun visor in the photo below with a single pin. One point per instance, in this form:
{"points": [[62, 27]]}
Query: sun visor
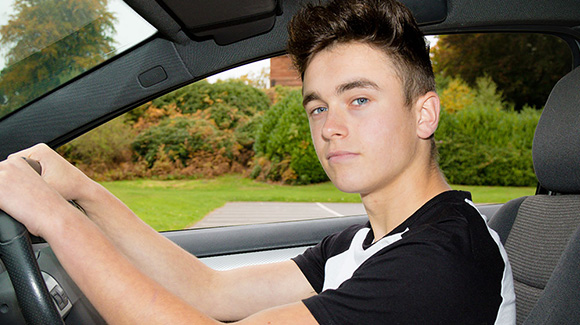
{"points": [[226, 21]]}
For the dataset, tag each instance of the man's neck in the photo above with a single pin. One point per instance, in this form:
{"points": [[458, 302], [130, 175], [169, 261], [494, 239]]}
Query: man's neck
{"points": [[392, 205]]}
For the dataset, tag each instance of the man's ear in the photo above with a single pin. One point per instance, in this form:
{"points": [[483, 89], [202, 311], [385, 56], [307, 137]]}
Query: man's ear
{"points": [[428, 114]]}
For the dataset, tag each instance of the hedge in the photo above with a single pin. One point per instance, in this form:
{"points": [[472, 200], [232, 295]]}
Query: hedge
{"points": [[283, 148], [208, 129], [481, 139], [485, 142], [202, 95]]}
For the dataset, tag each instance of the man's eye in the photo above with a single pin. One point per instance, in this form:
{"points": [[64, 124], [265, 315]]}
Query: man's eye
{"points": [[318, 110], [360, 101]]}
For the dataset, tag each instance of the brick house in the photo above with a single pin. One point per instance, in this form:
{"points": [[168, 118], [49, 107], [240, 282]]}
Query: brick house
{"points": [[283, 73]]}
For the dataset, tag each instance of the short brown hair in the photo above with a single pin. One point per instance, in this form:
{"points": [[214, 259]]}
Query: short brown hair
{"points": [[386, 25]]}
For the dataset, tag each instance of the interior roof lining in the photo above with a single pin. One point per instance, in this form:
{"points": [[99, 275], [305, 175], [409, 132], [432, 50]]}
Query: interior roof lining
{"points": [[459, 15]]}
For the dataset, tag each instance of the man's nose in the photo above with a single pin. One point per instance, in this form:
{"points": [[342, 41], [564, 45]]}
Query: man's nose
{"points": [[335, 124]]}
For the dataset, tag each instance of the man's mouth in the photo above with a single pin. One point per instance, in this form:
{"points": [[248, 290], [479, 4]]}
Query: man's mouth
{"points": [[340, 155]]}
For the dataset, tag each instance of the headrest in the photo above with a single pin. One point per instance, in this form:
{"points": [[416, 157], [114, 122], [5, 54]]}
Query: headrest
{"points": [[556, 147]]}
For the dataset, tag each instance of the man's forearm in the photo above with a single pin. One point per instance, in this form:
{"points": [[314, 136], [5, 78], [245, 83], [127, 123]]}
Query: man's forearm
{"points": [[120, 291], [154, 255], [230, 295]]}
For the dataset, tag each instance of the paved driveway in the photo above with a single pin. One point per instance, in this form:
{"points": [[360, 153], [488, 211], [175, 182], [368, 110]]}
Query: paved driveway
{"points": [[241, 213]]}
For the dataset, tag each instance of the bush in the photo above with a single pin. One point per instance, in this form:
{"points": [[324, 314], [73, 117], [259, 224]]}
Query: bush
{"points": [[200, 130], [105, 148], [457, 96], [200, 120], [283, 148], [202, 95], [180, 138], [487, 142]]}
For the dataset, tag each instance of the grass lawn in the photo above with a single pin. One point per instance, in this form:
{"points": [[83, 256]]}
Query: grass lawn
{"points": [[167, 205]]}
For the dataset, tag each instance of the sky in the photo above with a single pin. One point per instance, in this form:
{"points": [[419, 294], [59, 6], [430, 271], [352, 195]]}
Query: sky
{"points": [[248, 69]]}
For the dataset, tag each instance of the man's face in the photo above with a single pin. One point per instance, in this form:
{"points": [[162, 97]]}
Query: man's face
{"points": [[364, 135]]}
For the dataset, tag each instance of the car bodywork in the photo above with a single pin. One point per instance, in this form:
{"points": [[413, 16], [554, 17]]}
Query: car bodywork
{"points": [[196, 39]]}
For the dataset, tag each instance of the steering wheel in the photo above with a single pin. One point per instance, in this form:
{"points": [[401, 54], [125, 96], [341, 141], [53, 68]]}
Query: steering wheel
{"points": [[16, 252]]}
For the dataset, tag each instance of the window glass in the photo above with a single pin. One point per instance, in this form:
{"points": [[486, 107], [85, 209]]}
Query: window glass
{"points": [[43, 44], [237, 151], [493, 88]]}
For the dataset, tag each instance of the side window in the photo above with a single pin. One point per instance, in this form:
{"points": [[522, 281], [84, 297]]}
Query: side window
{"points": [[236, 149], [493, 88]]}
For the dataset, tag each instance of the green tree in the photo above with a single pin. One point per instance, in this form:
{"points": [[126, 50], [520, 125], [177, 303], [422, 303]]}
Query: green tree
{"points": [[49, 42], [524, 66]]}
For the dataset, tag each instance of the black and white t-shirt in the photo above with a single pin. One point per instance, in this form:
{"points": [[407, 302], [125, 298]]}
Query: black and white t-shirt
{"points": [[443, 265]]}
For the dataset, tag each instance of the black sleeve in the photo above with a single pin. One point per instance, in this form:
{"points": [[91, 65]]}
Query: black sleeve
{"points": [[312, 266], [312, 261]]}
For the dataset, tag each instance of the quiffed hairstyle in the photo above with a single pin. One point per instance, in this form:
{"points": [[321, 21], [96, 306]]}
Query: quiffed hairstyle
{"points": [[386, 25]]}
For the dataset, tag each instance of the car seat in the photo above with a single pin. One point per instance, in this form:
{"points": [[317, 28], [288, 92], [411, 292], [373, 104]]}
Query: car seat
{"points": [[541, 233]]}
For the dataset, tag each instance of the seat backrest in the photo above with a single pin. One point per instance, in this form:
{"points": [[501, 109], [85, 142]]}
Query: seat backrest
{"points": [[541, 233]]}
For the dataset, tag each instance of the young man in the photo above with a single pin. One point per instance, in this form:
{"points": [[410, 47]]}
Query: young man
{"points": [[368, 90], [426, 255]]}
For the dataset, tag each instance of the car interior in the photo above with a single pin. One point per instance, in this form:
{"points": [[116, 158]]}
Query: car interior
{"points": [[540, 233], [196, 39]]}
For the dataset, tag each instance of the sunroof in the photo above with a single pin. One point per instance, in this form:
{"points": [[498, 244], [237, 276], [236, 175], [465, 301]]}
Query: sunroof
{"points": [[46, 43]]}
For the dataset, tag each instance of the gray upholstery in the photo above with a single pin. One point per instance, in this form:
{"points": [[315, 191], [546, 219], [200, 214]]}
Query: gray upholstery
{"points": [[560, 301], [557, 139], [541, 233], [503, 225]]}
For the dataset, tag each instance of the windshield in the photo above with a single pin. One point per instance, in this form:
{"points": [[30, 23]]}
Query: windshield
{"points": [[45, 43]]}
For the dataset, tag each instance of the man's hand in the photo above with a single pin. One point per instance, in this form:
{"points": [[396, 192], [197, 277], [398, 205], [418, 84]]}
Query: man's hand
{"points": [[25, 196], [57, 172]]}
